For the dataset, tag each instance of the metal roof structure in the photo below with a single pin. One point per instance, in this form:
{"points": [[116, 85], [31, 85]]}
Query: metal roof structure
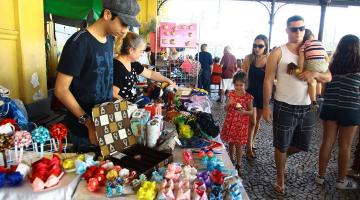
{"points": [[315, 2], [273, 6]]}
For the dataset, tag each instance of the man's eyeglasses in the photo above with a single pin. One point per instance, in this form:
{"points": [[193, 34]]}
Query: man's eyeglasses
{"points": [[296, 29], [260, 46]]}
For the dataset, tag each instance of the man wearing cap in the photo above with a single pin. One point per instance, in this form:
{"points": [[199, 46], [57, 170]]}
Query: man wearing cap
{"points": [[85, 70]]}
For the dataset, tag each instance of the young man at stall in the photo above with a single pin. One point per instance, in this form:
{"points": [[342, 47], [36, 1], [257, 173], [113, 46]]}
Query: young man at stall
{"points": [[85, 70]]}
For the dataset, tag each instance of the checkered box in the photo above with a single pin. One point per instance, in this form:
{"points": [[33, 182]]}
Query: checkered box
{"points": [[113, 127]]}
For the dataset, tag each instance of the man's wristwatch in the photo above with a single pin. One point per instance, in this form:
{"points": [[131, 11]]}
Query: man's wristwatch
{"points": [[82, 119]]}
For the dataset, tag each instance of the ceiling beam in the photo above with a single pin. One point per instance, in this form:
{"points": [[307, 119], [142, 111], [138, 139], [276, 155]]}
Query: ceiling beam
{"points": [[333, 3]]}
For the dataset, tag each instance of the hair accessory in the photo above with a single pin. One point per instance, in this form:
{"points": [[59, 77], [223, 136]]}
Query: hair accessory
{"points": [[59, 132], [21, 139], [189, 173], [40, 135], [232, 188], [147, 191], [46, 173], [204, 177], [199, 192], [11, 121]]}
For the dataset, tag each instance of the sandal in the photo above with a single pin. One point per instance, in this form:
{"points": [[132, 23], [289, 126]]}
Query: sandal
{"points": [[238, 169], [278, 189], [353, 174], [250, 158]]}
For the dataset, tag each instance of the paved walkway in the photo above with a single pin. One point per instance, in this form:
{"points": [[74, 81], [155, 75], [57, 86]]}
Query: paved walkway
{"points": [[259, 175]]}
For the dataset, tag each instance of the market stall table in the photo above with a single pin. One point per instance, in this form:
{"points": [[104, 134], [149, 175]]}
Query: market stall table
{"points": [[62, 191], [82, 193]]}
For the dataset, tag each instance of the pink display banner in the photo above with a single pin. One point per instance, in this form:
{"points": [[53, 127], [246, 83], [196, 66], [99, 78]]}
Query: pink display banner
{"points": [[178, 35]]}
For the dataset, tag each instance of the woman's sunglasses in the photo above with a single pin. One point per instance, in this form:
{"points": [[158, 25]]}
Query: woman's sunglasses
{"points": [[295, 29], [260, 46]]}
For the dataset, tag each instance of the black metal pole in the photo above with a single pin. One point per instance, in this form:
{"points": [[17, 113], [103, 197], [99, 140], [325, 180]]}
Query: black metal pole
{"points": [[323, 4], [271, 20]]}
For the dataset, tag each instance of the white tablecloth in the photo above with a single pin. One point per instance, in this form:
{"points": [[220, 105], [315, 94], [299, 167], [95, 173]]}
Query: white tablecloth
{"points": [[63, 191], [82, 193]]}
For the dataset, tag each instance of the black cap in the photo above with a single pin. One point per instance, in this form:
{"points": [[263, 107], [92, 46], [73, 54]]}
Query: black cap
{"points": [[125, 9]]}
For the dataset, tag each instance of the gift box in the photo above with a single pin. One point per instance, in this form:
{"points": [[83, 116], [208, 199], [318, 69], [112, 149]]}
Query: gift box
{"points": [[113, 127], [138, 122], [118, 142], [142, 159]]}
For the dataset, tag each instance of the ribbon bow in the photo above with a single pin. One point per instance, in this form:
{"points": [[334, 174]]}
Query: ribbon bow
{"points": [[204, 177], [46, 173], [173, 171], [189, 173], [6, 142], [147, 191], [232, 187], [40, 135], [217, 177], [114, 189], [59, 132], [200, 190], [10, 179], [11, 121], [21, 139], [81, 166], [137, 182], [216, 192], [182, 189], [209, 162], [187, 158]]}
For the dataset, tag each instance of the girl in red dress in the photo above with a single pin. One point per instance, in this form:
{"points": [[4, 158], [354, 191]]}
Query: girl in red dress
{"points": [[239, 107]]}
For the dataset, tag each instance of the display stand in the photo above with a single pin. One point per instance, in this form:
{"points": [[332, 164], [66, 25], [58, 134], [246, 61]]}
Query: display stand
{"points": [[178, 66]]}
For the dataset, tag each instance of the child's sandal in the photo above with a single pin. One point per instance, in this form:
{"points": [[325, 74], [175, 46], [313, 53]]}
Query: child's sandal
{"points": [[278, 189]]}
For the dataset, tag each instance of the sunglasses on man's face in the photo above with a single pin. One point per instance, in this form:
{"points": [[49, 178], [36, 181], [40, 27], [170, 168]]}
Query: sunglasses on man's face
{"points": [[296, 29], [260, 46]]}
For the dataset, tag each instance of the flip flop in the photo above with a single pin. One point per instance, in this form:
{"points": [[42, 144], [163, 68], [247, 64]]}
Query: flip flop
{"points": [[238, 169], [279, 190], [353, 174], [250, 158]]}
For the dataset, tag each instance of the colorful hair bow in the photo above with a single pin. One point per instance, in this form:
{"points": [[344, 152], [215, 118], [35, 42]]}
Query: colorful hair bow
{"points": [[10, 179], [95, 177], [209, 162], [114, 190], [107, 164], [82, 166], [217, 177], [40, 135], [182, 189], [216, 192], [7, 129], [6, 142], [157, 177], [11, 121], [189, 173], [232, 187], [204, 176], [46, 173], [136, 183], [147, 191], [187, 158], [173, 171], [166, 194], [199, 192], [21, 139], [59, 132]]}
